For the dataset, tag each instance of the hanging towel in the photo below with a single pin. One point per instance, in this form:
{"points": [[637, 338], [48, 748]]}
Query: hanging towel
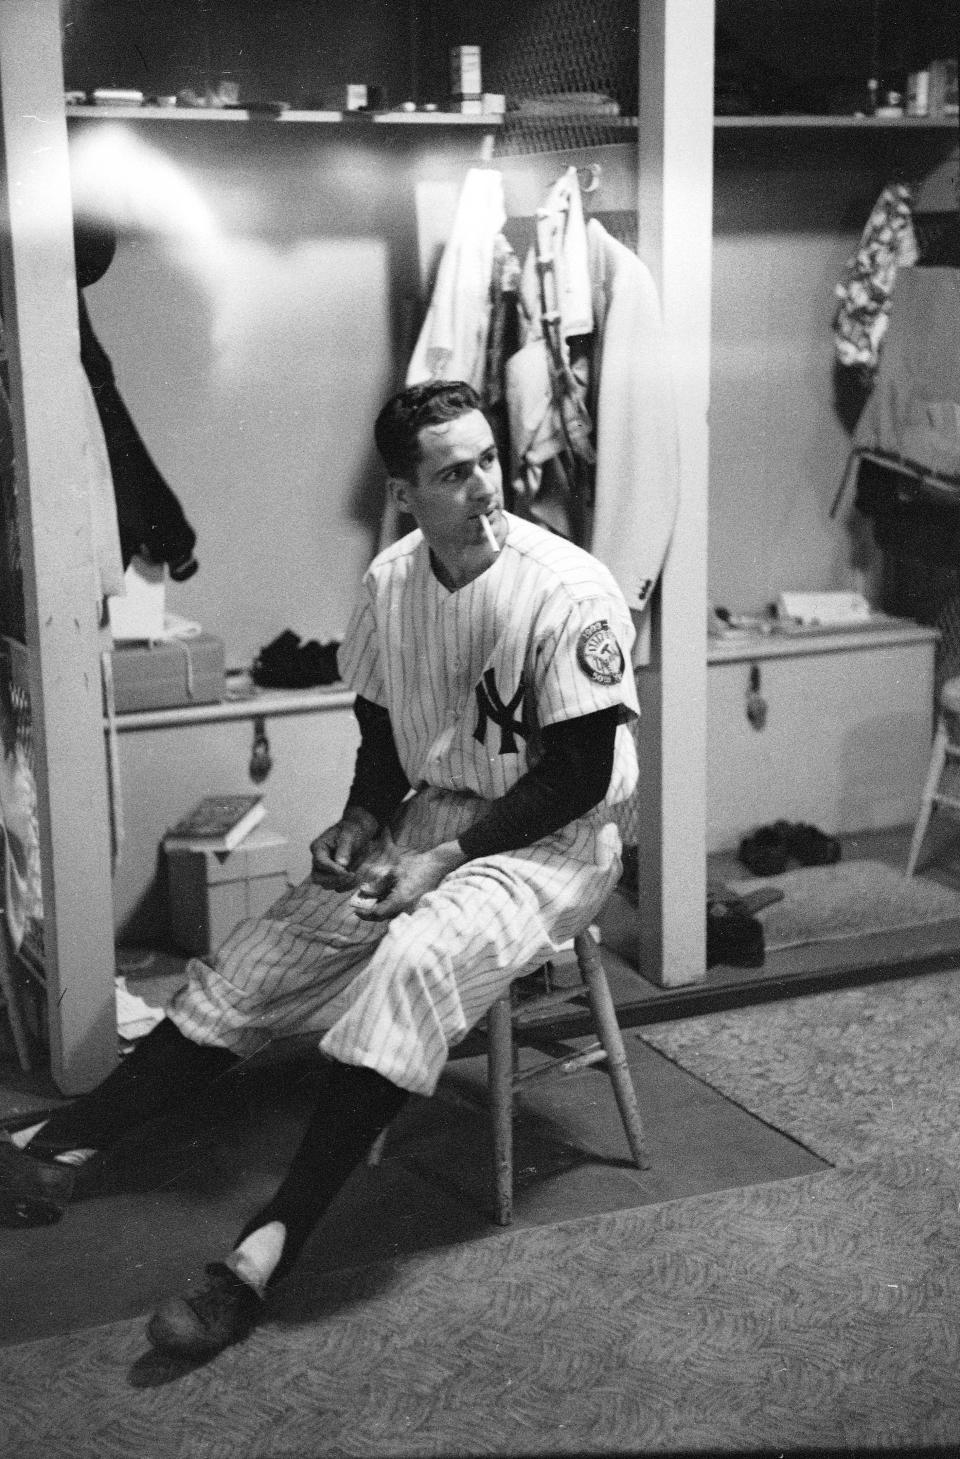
{"points": [[548, 379], [912, 417], [453, 341], [638, 473], [888, 243], [562, 237], [104, 528]]}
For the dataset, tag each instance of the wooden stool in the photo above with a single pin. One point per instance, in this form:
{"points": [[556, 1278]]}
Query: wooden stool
{"points": [[946, 750], [506, 1019]]}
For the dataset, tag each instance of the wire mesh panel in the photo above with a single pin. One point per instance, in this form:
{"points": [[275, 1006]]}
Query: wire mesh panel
{"points": [[15, 697], [578, 61], [558, 47], [11, 564], [14, 683], [25, 973], [522, 134], [11, 559]]}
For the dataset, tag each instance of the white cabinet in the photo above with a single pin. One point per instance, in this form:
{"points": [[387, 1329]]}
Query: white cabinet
{"points": [[846, 737], [168, 759]]}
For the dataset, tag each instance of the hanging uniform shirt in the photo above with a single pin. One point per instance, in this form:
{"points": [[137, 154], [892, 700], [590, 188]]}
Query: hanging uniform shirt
{"points": [[469, 680]]}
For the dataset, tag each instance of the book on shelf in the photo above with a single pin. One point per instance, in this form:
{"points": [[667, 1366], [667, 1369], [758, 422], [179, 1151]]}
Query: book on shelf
{"points": [[216, 823]]}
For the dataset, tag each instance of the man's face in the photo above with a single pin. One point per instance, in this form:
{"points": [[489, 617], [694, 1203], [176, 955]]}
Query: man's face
{"points": [[456, 481]]}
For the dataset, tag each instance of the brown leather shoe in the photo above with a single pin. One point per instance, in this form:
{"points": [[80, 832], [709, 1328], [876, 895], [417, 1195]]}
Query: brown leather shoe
{"points": [[33, 1192], [224, 1311]]}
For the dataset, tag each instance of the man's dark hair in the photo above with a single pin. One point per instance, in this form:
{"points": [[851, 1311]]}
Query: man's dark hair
{"points": [[405, 415]]}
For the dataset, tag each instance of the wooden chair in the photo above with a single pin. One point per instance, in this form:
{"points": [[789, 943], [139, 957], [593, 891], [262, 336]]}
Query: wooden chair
{"points": [[942, 787], [510, 1020]]}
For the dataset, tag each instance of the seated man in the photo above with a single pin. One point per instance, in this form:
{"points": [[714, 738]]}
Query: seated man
{"points": [[490, 662]]}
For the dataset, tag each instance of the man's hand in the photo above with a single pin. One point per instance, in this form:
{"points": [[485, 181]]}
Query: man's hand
{"points": [[339, 851], [411, 876]]}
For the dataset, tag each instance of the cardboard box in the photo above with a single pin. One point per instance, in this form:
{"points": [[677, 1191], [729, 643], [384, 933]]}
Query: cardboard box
{"points": [[210, 891], [166, 675]]}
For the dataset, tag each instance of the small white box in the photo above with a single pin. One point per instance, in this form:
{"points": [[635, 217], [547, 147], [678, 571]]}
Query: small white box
{"points": [[138, 616], [211, 891], [465, 71], [349, 96], [918, 93]]}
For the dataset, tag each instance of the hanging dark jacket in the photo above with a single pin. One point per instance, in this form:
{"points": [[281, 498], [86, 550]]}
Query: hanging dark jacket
{"points": [[150, 519]]}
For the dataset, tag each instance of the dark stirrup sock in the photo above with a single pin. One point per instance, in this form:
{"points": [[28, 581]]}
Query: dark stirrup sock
{"points": [[355, 1105], [164, 1071]]}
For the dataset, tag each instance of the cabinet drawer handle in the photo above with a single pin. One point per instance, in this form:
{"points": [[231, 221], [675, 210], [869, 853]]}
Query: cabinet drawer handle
{"points": [[261, 761], [756, 704]]}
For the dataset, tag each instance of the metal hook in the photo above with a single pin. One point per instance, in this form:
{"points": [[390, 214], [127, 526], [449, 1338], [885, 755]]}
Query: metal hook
{"points": [[261, 761], [757, 706], [589, 177]]}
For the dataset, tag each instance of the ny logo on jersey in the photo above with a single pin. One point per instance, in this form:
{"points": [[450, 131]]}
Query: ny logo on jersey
{"points": [[491, 706]]}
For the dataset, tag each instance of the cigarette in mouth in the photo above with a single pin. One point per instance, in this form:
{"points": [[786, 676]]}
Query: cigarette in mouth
{"points": [[488, 533]]}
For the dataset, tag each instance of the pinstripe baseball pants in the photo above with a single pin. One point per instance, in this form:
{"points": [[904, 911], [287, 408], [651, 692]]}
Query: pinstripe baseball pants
{"points": [[396, 996]]}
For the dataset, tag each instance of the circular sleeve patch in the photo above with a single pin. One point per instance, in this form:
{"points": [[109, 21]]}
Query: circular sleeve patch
{"points": [[599, 655]]}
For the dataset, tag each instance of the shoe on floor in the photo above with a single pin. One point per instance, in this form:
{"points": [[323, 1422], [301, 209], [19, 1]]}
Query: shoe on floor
{"points": [[224, 1311], [771, 849], [765, 852], [734, 938], [810, 846], [32, 1192]]}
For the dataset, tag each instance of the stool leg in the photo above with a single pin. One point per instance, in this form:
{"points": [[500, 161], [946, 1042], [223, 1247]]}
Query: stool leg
{"points": [[937, 761], [375, 1153], [605, 1017], [500, 1067]]}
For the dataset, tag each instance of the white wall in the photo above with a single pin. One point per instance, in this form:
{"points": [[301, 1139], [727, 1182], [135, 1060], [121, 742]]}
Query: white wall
{"points": [[789, 211], [257, 313]]}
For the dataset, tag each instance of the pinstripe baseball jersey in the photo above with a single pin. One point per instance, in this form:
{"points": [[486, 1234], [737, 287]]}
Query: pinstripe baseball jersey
{"points": [[470, 678]]}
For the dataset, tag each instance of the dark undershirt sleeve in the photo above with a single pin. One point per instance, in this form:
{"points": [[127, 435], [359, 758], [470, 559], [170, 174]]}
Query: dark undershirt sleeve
{"points": [[379, 780], [572, 777]]}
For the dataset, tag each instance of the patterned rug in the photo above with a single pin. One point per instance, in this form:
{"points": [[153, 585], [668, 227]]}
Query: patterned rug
{"points": [[818, 1313], [851, 1074], [827, 903]]}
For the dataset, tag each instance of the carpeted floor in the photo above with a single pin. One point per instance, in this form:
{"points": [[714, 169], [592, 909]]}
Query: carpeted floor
{"points": [[817, 1313], [177, 1196], [848, 900], [852, 1074]]}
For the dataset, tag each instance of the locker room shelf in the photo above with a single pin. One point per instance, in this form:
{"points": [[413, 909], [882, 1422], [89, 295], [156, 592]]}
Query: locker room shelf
{"points": [[262, 704], [878, 632], [835, 123], [356, 121]]}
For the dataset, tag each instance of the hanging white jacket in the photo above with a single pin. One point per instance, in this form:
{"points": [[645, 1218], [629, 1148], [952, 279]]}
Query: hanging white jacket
{"points": [[638, 472], [453, 341]]}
